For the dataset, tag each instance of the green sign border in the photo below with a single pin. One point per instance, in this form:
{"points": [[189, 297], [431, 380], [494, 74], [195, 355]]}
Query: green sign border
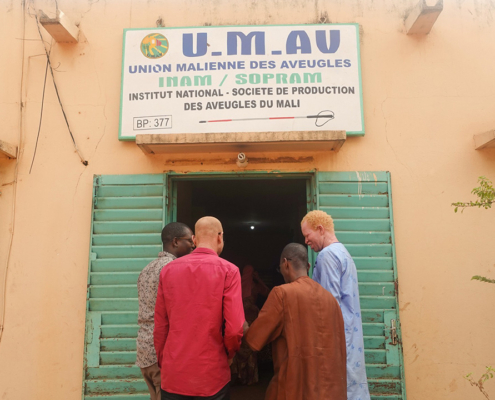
{"points": [[354, 133]]}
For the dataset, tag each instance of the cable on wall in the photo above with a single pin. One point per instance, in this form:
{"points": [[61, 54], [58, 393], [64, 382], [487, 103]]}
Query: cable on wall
{"points": [[16, 173], [85, 162], [41, 117], [20, 151]]}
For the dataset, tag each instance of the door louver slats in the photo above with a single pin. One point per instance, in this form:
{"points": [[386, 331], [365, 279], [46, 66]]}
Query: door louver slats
{"points": [[361, 205], [128, 216]]}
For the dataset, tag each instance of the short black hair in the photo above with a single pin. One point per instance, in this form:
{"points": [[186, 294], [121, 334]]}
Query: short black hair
{"points": [[297, 253], [173, 230]]}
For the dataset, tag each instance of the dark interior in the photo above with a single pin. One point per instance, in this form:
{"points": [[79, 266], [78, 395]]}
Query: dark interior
{"points": [[259, 218]]}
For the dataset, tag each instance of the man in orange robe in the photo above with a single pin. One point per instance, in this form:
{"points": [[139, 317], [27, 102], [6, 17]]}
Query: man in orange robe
{"points": [[305, 324]]}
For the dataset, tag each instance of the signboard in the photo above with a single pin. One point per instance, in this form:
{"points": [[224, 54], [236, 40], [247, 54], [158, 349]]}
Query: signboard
{"points": [[241, 79]]}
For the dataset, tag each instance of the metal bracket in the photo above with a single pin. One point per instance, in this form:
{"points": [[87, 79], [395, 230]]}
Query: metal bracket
{"points": [[484, 140], [7, 150], [60, 28], [393, 332], [422, 17]]}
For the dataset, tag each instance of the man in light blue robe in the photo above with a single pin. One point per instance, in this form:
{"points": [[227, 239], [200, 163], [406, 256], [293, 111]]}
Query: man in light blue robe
{"points": [[335, 270]]}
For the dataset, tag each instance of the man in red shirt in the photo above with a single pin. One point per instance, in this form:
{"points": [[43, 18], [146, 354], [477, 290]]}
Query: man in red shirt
{"points": [[198, 319]]}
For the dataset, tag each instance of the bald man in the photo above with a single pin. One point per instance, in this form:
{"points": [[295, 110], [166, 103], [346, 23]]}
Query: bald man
{"points": [[198, 319]]}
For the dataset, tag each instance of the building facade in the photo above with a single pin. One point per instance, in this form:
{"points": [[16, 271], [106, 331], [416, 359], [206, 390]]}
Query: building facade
{"points": [[73, 236]]}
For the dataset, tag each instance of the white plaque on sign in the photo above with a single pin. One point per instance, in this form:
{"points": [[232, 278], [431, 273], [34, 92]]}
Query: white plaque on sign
{"points": [[241, 79]]}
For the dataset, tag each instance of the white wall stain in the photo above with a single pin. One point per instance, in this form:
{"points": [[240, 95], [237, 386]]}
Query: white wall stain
{"points": [[360, 186]]}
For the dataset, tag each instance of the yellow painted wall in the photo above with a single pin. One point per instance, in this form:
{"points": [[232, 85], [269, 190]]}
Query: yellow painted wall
{"points": [[424, 98]]}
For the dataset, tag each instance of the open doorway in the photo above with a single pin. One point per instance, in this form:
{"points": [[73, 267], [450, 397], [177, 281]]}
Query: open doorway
{"points": [[259, 217]]}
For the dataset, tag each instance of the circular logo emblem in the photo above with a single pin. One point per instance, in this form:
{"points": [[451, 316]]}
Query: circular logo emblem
{"points": [[154, 46]]}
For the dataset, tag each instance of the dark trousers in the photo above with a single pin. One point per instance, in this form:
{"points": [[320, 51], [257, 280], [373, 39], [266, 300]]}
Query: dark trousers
{"points": [[223, 394]]}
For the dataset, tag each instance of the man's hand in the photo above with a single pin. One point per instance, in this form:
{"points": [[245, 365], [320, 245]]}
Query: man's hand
{"points": [[245, 327], [231, 360]]}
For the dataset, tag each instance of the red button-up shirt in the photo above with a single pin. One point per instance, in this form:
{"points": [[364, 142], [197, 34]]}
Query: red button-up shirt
{"points": [[199, 296]]}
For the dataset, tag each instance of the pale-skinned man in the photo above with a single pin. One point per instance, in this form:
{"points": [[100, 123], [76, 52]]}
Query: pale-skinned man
{"points": [[199, 319], [177, 242], [335, 270], [304, 322]]}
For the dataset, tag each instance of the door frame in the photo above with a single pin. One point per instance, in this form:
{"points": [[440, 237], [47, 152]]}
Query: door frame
{"points": [[310, 176]]}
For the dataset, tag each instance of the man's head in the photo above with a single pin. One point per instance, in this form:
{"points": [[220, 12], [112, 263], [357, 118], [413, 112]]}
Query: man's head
{"points": [[294, 262], [318, 230], [209, 234], [177, 239]]}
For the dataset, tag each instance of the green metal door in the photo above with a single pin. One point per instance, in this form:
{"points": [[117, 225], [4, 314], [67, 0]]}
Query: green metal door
{"points": [[361, 205], [127, 219]]}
